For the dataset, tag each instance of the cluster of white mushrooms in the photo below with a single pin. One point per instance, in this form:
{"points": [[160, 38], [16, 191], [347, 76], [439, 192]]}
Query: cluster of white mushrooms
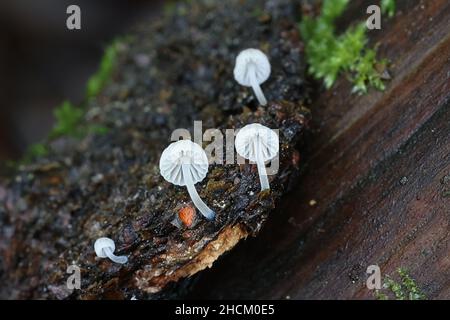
{"points": [[184, 163]]}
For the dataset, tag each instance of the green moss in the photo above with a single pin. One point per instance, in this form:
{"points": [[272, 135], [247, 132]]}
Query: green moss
{"points": [[98, 80], [329, 54], [332, 9], [366, 74], [173, 7], [405, 289], [381, 296], [68, 120], [413, 291], [257, 12], [388, 7], [34, 151], [169, 8], [98, 129], [395, 287]]}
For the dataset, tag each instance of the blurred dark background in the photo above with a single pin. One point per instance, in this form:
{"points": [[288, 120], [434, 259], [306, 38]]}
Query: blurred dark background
{"points": [[43, 63]]}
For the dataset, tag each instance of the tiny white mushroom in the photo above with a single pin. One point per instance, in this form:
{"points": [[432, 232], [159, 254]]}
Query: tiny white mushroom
{"points": [[258, 144], [104, 248], [184, 163], [252, 69]]}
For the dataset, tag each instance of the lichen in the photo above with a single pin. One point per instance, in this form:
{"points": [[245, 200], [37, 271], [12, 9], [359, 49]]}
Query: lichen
{"points": [[406, 289], [329, 54]]}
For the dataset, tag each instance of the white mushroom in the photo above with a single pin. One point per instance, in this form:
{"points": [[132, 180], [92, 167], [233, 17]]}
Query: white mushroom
{"points": [[184, 163], [258, 144], [252, 68], [104, 248]]}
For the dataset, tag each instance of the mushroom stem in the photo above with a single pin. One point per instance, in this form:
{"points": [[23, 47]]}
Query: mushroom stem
{"points": [[117, 259], [198, 202], [261, 167], [255, 85]]}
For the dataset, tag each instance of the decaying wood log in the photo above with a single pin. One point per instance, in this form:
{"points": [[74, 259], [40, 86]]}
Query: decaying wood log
{"points": [[378, 170], [374, 188], [169, 73]]}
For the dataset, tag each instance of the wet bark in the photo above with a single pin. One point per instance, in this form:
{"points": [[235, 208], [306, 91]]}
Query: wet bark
{"points": [[170, 73], [378, 170], [374, 185]]}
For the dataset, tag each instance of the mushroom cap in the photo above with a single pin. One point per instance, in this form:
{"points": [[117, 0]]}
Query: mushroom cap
{"points": [[102, 243], [250, 135], [179, 153], [251, 57]]}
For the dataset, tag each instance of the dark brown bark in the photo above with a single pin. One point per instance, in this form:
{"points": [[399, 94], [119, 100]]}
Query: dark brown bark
{"points": [[378, 167], [170, 72]]}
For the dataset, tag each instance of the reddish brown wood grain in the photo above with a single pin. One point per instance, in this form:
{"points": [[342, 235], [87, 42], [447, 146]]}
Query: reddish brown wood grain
{"points": [[379, 170]]}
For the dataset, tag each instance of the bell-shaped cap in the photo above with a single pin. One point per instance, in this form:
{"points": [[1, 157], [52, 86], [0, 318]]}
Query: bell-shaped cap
{"points": [[103, 243], [254, 138], [251, 60], [179, 153]]}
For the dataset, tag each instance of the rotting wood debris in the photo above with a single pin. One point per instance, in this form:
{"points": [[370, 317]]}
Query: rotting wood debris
{"points": [[170, 72]]}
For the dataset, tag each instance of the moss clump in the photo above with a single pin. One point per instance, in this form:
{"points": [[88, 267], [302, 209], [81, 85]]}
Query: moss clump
{"points": [[413, 291], [406, 289], [98, 80], [35, 151], [69, 118], [329, 54], [388, 7], [69, 122]]}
